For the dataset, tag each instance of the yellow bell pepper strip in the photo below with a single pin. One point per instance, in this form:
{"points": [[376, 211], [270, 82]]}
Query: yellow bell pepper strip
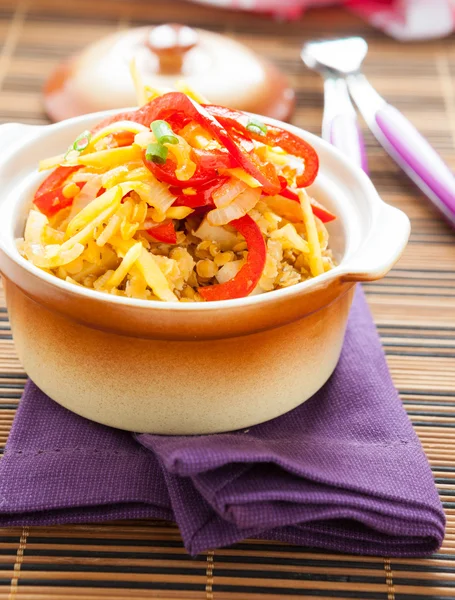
{"points": [[318, 210], [154, 277], [316, 263]]}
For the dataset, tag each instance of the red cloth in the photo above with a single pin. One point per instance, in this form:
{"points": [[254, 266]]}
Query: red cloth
{"points": [[402, 19]]}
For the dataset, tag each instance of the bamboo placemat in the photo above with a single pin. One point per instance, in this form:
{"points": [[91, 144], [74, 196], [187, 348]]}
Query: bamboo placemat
{"points": [[414, 308]]}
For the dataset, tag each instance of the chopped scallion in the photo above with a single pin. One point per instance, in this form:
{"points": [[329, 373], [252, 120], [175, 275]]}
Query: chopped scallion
{"points": [[164, 133], [256, 126], [82, 141], [156, 153], [71, 154]]}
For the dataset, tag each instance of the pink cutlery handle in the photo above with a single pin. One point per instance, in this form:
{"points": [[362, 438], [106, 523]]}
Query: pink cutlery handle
{"points": [[418, 159], [345, 134]]}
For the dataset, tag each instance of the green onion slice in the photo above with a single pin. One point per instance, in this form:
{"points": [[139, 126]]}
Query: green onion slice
{"points": [[164, 133], [256, 126], [82, 141], [156, 153]]}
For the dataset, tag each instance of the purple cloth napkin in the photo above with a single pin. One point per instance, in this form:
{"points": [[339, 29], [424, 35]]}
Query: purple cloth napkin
{"points": [[61, 468], [344, 471]]}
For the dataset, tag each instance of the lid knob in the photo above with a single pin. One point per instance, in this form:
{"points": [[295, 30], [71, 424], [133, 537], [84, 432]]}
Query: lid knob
{"points": [[170, 43]]}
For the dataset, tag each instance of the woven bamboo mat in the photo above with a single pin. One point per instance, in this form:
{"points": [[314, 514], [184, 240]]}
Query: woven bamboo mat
{"points": [[414, 308]]}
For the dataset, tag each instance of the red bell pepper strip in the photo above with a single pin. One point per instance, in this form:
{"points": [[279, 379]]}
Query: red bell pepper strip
{"points": [[56, 179], [294, 145], [50, 203], [207, 163], [321, 212], [213, 159], [246, 143], [247, 278], [174, 108], [164, 232], [203, 196], [166, 173], [144, 116], [235, 120]]}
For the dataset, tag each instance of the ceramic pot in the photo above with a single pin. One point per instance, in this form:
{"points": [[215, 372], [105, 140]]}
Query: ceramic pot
{"points": [[187, 368]]}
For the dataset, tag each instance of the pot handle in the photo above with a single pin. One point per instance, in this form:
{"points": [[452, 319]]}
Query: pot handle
{"points": [[11, 133], [383, 247]]}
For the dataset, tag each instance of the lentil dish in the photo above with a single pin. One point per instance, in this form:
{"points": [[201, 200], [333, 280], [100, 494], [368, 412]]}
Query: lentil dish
{"points": [[180, 201]]}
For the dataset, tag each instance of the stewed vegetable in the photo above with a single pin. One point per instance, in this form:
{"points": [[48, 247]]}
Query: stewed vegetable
{"points": [[180, 201]]}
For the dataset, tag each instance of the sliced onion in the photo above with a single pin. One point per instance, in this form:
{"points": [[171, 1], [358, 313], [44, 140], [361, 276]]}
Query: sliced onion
{"points": [[228, 192], [144, 138], [118, 126], [81, 176], [229, 270], [257, 290], [53, 255], [155, 193], [87, 194], [147, 224], [225, 239], [289, 238], [35, 226], [238, 208]]}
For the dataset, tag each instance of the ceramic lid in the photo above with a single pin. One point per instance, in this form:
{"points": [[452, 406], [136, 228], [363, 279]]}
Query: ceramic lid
{"points": [[220, 68]]}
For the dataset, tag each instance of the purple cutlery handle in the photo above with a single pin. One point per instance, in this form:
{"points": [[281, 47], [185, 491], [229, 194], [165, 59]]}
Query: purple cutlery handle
{"points": [[418, 159], [345, 134]]}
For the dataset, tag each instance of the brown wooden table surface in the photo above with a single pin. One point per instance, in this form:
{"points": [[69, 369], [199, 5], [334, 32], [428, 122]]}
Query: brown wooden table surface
{"points": [[414, 308]]}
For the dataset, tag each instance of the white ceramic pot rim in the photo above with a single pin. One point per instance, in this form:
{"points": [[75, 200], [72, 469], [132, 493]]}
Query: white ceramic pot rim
{"points": [[381, 245]]}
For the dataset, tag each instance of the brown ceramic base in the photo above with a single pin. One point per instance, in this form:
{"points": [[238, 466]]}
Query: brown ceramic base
{"points": [[176, 387]]}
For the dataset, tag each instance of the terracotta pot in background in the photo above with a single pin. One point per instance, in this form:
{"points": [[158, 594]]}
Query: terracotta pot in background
{"points": [[221, 69]]}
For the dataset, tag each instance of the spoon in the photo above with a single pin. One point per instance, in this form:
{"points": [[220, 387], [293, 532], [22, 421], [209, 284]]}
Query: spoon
{"points": [[400, 139], [339, 123]]}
